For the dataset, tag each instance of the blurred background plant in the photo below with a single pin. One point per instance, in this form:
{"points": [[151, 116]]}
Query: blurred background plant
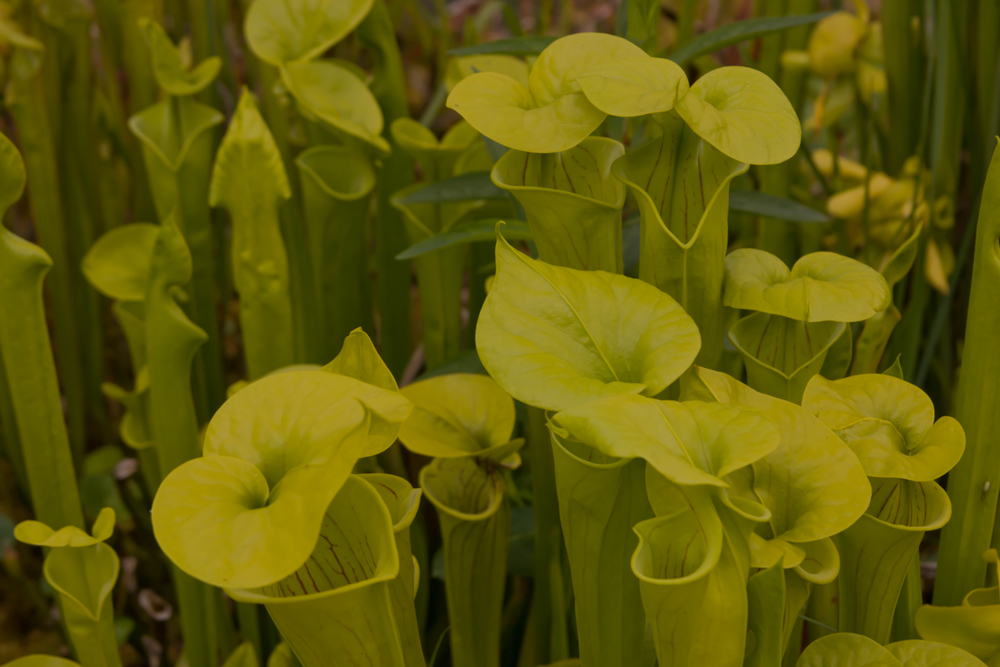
{"points": [[899, 102]]}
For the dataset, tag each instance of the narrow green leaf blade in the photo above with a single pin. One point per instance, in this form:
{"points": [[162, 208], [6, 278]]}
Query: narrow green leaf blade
{"points": [[477, 230], [730, 34], [474, 185], [761, 203]]}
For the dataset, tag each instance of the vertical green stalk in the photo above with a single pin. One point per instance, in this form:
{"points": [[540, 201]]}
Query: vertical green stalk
{"points": [[911, 598], [142, 91], [771, 46], [548, 186], [778, 236], [336, 182], [26, 97], [475, 528], [681, 184], [949, 97], [600, 499], [305, 311], [10, 441], [973, 484], [29, 365], [393, 283], [171, 343], [177, 147], [249, 181], [547, 605], [986, 93], [439, 275], [338, 612], [904, 73], [82, 210], [403, 501], [685, 29], [876, 552]]}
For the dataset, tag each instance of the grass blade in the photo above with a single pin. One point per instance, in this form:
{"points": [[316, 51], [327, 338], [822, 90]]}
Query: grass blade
{"points": [[761, 203], [741, 31], [474, 185], [477, 230]]}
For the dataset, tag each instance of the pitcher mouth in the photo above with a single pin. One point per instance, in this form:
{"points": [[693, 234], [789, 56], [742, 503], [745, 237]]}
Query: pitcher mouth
{"points": [[253, 596], [606, 175]]}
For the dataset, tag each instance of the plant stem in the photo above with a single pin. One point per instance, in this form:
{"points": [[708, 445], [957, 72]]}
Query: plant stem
{"points": [[393, 282], [34, 387], [27, 100], [548, 542]]}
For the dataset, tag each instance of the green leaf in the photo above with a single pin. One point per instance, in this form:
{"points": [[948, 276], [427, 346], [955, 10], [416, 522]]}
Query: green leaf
{"points": [[688, 443], [733, 33], [12, 34], [168, 66], [901, 260], [465, 66], [575, 184], [84, 578], [889, 534], [42, 661], [244, 656], [281, 656], [29, 365], [336, 183], [822, 286], [505, 111], [692, 586], [529, 45], [474, 185], [889, 423], [360, 360], [249, 181], [744, 114], [630, 87], [665, 574], [896, 370], [403, 502], [681, 185], [550, 114], [338, 601], [439, 274], [812, 483], [275, 455], [469, 232], [766, 600], [781, 355], [169, 136], [600, 499], [917, 653], [475, 520], [555, 337], [970, 534], [118, 263], [873, 340], [838, 358], [14, 176], [760, 203], [39, 534], [844, 648], [971, 626], [281, 32], [333, 95], [437, 158], [458, 415]]}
